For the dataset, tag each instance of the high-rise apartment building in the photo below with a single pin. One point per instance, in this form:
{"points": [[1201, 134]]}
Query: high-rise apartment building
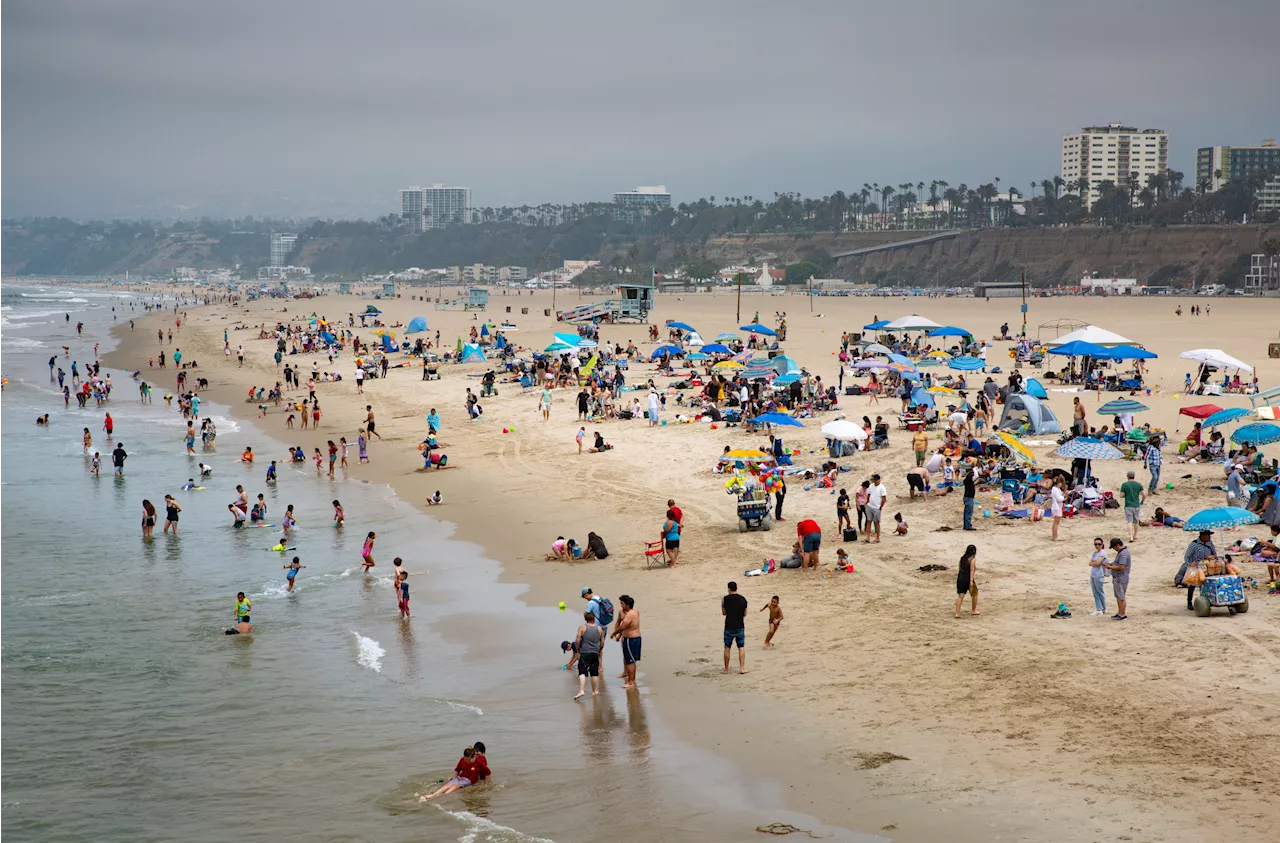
{"points": [[423, 208], [281, 246], [631, 205], [1114, 153], [1217, 165]]}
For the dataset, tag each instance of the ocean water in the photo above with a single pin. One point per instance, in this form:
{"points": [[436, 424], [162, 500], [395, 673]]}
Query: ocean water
{"points": [[130, 716]]}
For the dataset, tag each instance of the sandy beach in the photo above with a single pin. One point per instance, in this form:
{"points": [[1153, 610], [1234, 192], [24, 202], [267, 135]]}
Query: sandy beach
{"points": [[876, 710]]}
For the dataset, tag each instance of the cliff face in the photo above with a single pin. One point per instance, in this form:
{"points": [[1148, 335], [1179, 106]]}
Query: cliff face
{"points": [[1171, 255]]}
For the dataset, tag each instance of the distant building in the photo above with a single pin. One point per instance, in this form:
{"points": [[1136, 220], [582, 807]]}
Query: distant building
{"points": [[1268, 194], [1217, 165], [631, 205], [281, 246], [1264, 274], [437, 206], [283, 273], [1114, 286], [513, 273], [1113, 153]]}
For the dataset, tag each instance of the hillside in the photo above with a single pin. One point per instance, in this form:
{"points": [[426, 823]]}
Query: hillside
{"points": [[1167, 255]]}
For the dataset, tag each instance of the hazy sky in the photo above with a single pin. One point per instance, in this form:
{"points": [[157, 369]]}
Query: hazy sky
{"points": [[315, 107]]}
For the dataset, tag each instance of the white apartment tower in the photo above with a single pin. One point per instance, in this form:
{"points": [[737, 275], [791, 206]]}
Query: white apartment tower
{"points": [[281, 246], [423, 208], [1113, 153]]}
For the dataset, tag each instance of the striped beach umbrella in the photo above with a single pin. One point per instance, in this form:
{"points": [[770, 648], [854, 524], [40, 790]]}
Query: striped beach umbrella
{"points": [[1121, 406], [966, 364], [1225, 416], [1088, 448], [942, 390], [1016, 446]]}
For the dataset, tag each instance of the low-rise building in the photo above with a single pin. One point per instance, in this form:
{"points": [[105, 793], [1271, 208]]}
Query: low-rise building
{"points": [[1217, 165], [1264, 274]]}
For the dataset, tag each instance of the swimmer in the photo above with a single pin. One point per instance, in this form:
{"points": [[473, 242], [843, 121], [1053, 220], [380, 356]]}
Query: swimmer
{"points": [[289, 521], [95, 464], [247, 455], [171, 510], [237, 514], [88, 440], [189, 485], [366, 552], [242, 502], [271, 472], [293, 568], [338, 515], [205, 470], [43, 420], [256, 514]]}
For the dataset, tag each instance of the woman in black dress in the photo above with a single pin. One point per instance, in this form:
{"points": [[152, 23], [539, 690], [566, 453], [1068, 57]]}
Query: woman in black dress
{"points": [[967, 580]]}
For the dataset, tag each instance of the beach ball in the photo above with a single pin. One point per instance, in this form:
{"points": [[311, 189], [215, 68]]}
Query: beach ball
{"points": [[986, 513], [1168, 485], [562, 605], [713, 426], [807, 487]]}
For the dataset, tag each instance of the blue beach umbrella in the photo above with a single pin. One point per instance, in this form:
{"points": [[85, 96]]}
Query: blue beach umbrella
{"points": [[781, 419], [683, 326], [965, 364], [759, 329], [910, 376], [667, 351], [1225, 416], [698, 355], [1088, 448], [716, 348], [568, 339], [948, 331], [725, 336], [876, 326], [1221, 516], [1258, 433], [1121, 406], [921, 396], [558, 346], [900, 358], [929, 361]]}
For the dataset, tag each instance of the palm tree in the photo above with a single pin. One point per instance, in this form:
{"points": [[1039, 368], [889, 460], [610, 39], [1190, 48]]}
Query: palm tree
{"points": [[885, 193]]}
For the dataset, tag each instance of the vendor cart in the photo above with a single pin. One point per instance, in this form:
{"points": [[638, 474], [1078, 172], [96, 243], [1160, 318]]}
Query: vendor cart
{"points": [[1222, 591], [753, 511]]}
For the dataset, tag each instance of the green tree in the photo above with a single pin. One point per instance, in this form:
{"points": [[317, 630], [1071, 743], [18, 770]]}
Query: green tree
{"points": [[701, 268], [801, 272]]}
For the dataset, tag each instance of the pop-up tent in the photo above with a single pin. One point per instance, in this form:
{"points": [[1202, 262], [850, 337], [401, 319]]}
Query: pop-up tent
{"points": [[417, 325], [1030, 411], [471, 353], [389, 344]]}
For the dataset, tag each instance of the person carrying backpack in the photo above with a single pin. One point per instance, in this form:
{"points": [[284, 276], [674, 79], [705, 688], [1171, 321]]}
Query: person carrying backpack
{"points": [[602, 609]]}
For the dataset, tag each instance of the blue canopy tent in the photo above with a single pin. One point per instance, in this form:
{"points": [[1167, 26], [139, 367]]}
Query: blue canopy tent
{"points": [[759, 329], [1036, 389], [682, 326], [329, 339], [472, 353], [1127, 352], [876, 326], [417, 325], [1080, 348], [716, 348], [789, 377], [948, 331]]}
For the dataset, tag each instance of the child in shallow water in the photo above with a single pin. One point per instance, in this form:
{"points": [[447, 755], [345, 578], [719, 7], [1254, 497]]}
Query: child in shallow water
{"points": [[470, 769]]}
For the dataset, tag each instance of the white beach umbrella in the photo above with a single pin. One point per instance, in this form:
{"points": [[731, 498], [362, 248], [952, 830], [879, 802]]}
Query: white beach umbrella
{"points": [[911, 323], [1093, 334], [876, 348], [844, 430], [1216, 357]]}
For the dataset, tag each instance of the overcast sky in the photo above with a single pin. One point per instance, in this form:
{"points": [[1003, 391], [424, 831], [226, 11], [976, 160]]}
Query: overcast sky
{"points": [[315, 107]]}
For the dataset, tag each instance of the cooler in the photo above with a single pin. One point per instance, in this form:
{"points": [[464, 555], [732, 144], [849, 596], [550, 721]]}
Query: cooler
{"points": [[1224, 590]]}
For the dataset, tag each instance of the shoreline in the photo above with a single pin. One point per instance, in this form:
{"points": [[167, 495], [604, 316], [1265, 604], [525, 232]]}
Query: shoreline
{"points": [[868, 725]]}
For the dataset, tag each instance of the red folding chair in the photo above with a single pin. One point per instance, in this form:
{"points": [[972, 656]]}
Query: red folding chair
{"points": [[655, 553]]}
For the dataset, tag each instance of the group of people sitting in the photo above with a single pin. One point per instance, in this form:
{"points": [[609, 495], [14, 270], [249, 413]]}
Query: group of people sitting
{"points": [[563, 549]]}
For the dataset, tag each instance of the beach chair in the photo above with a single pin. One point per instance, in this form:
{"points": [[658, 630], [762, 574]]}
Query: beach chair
{"points": [[655, 555]]}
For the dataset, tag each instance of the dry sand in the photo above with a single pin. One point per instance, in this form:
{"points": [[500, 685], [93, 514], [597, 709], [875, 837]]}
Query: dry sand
{"points": [[877, 709]]}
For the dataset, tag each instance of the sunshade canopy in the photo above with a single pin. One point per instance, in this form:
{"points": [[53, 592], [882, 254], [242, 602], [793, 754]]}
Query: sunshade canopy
{"points": [[1216, 357], [1092, 334]]}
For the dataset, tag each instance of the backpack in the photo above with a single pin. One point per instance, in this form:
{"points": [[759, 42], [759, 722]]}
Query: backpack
{"points": [[604, 612]]}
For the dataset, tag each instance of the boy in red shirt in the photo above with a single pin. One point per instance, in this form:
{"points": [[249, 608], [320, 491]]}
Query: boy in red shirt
{"points": [[471, 769]]}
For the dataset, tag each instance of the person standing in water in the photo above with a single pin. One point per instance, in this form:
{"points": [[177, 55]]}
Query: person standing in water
{"points": [[589, 642], [366, 552], [402, 590], [171, 510], [293, 568]]}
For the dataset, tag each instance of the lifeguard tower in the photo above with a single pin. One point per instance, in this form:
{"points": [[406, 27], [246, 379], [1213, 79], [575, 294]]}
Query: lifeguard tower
{"points": [[633, 304], [477, 299]]}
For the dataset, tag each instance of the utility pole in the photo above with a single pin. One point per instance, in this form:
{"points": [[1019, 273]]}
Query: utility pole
{"points": [[811, 294], [739, 317]]}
